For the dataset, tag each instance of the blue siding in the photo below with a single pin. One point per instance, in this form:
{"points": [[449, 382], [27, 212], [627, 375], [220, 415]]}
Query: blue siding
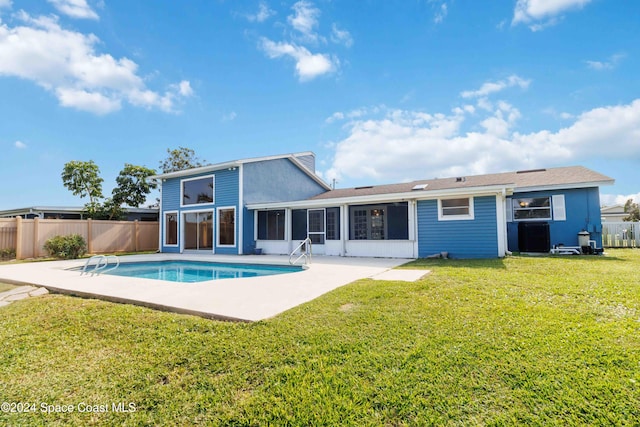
{"points": [[477, 238], [277, 181], [226, 195], [582, 208]]}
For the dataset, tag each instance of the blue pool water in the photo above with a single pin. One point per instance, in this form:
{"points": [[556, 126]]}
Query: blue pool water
{"points": [[197, 271]]}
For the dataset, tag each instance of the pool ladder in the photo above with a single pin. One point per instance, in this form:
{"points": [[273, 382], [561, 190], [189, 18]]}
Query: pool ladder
{"points": [[102, 262], [305, 252]]}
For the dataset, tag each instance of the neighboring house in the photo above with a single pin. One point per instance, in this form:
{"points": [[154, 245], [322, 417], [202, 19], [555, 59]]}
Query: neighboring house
{"points": [[66, 212], [273, 203], [613, 213]]}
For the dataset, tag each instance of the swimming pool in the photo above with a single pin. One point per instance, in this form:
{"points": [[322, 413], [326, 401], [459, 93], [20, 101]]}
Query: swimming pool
{"points": [[197, 271]]}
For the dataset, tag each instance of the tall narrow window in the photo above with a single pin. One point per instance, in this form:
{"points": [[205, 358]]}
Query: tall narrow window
{"points": [[226, 226], [171, 229]]}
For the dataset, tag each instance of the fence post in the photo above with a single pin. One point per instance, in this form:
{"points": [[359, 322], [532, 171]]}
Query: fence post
{"points": [[36, 232], [89, 235], [137, 235], [18, 237]]}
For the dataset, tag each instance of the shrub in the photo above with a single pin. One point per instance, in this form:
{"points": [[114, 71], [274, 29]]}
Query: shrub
{"points": [[7, 253], [66, 247]]}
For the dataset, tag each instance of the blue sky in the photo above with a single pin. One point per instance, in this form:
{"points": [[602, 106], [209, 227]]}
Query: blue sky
{"points": [[381, 91]]}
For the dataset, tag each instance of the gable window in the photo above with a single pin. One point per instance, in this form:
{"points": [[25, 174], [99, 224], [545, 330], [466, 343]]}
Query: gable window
{"points": [[379, 222], [197, 191], [271, 225], [227, 226], [455, 209], [532, 208], [171, 229]]}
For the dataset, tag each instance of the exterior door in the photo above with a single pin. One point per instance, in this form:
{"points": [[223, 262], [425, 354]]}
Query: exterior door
{"points": [[316, 229], [198, 231]]}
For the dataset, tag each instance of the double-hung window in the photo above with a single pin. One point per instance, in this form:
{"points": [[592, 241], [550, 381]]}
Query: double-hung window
{"points": [[532, 208]]}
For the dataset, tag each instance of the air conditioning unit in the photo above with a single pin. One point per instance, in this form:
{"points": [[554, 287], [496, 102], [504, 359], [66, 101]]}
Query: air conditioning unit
{"points": [[534, 237]]}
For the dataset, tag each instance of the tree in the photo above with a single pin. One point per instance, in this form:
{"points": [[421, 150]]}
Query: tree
{"points": [[179, 159], [132, 186], [83, 179], [633, 211]]}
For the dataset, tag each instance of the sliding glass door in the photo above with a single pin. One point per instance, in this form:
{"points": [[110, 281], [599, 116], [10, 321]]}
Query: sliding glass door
{"points": [[198, 231]]}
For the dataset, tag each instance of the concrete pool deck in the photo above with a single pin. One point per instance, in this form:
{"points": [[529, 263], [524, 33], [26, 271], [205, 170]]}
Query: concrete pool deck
{"points": [[246, 299]]}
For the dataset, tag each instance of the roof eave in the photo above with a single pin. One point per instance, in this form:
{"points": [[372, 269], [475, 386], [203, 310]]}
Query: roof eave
{"points": [[564, 186], [233, 163], [388, 197]]}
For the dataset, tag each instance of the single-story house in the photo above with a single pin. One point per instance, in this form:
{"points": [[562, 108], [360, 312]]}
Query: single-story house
{"points": [[273, 203], [613, 213], [75, 212]]}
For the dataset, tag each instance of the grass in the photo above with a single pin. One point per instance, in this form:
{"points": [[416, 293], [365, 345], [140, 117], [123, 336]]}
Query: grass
{"points": [[531, 341], [5, 287]]}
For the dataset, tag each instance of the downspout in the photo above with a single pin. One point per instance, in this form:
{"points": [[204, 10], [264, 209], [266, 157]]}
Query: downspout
{"points": [[505, 238], [240, 209]]}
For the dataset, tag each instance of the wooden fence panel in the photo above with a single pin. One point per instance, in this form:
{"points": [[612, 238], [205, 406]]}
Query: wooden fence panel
{"points": [[148, 236], [48, 228], [8, 231], [28, 236], [621, 234]]}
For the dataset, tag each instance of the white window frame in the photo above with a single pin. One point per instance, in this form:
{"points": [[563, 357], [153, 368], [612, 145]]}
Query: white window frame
{"points": [[257, 225], [465, 217], [164, 229], [514, 209], [193, 205], [235, 226]]}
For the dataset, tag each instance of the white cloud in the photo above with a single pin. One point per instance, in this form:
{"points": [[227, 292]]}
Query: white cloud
{"points": [[406, 145], [492, 87], [308, 65], [534, 11], [20, 145], [74, 8], [441, 14], [229, 117], [5, 4], [618, 199], [609, 64], [263, 13], [341, 36], [304, 22], [183, 88], [65, 62], [305, 19]]}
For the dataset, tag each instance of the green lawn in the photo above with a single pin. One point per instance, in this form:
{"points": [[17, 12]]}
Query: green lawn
{"points": [[5, 287], [519, 341]]}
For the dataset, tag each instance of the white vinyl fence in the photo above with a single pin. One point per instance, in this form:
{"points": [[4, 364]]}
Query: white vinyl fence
{"points": [[621, 234]]}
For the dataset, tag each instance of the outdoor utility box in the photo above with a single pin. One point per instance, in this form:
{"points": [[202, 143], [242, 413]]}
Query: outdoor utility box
{"points": [[534, 237]]}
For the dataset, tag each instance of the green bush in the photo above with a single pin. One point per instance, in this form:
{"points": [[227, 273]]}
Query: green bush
{"points": [[66, 247], [7, 253]]}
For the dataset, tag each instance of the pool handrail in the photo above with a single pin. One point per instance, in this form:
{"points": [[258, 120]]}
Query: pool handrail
{"points": [[102, 261], [305, 248]]}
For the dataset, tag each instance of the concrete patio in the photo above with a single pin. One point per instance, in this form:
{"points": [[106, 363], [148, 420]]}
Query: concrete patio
{"points": [[244, 299]]}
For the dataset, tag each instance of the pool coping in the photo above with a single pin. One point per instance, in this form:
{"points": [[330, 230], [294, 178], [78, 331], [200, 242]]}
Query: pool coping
{"points": [[241, 299]]}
